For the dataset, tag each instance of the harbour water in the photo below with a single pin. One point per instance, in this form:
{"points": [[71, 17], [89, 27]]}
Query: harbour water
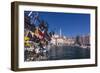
{"points": [[68, 52]]}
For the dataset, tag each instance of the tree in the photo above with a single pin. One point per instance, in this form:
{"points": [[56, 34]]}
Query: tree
{"points": [[78, 40]]}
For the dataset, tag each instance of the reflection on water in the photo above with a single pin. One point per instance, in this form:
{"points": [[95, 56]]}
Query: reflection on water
{"points": [[59, 53]]}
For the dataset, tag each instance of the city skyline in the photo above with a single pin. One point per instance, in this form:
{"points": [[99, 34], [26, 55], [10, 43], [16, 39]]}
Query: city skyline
{"points": [[70, 24]]}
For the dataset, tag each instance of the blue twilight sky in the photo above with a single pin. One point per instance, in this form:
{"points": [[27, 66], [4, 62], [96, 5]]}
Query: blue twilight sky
{"points": [[71, 24]]}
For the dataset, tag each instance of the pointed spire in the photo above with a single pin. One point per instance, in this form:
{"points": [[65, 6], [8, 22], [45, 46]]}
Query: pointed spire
{"points": [[60, 32]]}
